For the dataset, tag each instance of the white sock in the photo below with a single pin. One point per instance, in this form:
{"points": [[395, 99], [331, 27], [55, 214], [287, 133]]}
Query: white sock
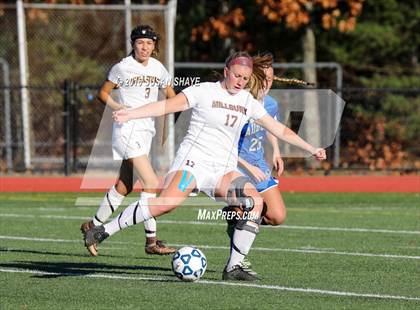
{"points": [[109, 205], [150, 224], [135, 213], [241, 244]]}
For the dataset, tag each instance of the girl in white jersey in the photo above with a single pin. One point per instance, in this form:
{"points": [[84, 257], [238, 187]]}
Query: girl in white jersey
{"points": [[207, 157], [137, 80]]}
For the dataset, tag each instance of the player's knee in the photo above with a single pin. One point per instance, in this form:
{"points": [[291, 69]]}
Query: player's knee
{"points": [[123, 189], [166, 209], [236, 195], [276, 219]]}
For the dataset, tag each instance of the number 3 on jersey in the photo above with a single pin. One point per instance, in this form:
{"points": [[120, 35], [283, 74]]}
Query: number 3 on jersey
{"points": [[147, 90], [231, 120]]}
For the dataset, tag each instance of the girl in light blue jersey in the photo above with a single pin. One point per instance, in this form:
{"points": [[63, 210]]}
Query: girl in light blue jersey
{"points": [[252, 161]]}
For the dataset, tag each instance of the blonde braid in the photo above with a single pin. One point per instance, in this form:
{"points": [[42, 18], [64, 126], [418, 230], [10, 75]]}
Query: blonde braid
{"points": [[292, 81]]}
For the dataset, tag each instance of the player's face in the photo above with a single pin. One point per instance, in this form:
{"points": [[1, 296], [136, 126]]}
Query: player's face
{"points": [[269, 74], [236, 78], [143, 48]]}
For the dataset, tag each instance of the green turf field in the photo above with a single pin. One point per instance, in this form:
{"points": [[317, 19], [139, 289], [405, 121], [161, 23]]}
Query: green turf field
{"points": [[335, 251]]}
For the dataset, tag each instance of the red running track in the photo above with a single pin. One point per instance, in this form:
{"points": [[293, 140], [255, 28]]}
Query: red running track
{"points": [[340, 184]]}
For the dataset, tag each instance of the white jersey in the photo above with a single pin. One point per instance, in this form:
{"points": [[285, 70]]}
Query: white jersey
{"points": [[216, 122], [138, 85]]}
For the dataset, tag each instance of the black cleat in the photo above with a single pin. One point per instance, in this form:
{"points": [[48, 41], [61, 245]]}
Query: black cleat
{"points": [[246, 264], [240, 273], [93, 237], [84, 228], [194, 193]]}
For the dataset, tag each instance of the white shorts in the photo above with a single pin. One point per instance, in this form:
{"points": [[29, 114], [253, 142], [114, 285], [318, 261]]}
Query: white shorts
{"points": [[128, 142], [207, 174]]}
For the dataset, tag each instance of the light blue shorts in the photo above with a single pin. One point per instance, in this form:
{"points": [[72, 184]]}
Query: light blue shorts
{"points": [[264, 185]]}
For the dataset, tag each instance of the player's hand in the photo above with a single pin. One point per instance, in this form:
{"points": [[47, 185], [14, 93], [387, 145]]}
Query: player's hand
{"points": [[319, 154], [257, 173], [121, 116], [278, 164]]}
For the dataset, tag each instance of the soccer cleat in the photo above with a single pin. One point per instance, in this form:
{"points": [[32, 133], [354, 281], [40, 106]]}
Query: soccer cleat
{"points": [[240, 273], [158, 248], [194, 193], [84, 228], [93, 237], [246, 264]]}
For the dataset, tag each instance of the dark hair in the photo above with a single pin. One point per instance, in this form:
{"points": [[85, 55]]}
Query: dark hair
{"points": [[145, 31]]}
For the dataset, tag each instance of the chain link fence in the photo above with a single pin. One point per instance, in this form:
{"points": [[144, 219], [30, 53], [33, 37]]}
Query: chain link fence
{"points": [[64, 42], [379, 129]]}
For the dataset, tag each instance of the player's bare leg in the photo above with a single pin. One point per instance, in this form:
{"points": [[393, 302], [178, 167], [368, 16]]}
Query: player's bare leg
{"points": [[237, 190], [275, 213], [150, 184], [111, 201], [180, 184]]}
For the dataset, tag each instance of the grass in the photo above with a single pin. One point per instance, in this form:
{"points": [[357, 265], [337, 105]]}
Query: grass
{"points": [[335, 251]]}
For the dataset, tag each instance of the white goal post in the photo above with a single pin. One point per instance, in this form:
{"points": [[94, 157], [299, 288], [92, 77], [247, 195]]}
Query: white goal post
{"points": [[168, 13]]}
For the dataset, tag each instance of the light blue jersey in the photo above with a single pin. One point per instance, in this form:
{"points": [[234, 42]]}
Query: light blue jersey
{"points": [[251, 146]]}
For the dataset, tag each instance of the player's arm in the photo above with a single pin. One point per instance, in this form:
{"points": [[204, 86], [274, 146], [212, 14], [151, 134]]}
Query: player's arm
{"points": [[178, 103], [162, 122], [254, 171], [286, 134], [170, 92], [277, 160], [105, 95]]}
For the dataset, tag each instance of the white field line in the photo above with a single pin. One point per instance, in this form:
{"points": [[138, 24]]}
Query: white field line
{"points": [[50, 240], [203, 201], [191, 201], [213, 247], [410, 232], [309, 251], [209, 282], [214, 223]]}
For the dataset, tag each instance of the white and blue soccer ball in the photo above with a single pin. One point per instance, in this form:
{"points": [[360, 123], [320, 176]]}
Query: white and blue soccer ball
{"points": [[189, 263]]}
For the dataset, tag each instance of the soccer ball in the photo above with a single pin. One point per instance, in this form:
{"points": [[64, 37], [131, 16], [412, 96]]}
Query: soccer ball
{"points": [[189, 263]]}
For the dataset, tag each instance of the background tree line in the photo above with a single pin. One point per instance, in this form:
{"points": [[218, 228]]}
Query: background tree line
{"points": [[376, 42]]}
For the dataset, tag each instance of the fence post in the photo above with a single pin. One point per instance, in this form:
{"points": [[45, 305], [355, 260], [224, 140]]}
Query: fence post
{"points": [[337, 141], [128, 26], [23, 77], [66, 125], [74, 124], [7, 115]]}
